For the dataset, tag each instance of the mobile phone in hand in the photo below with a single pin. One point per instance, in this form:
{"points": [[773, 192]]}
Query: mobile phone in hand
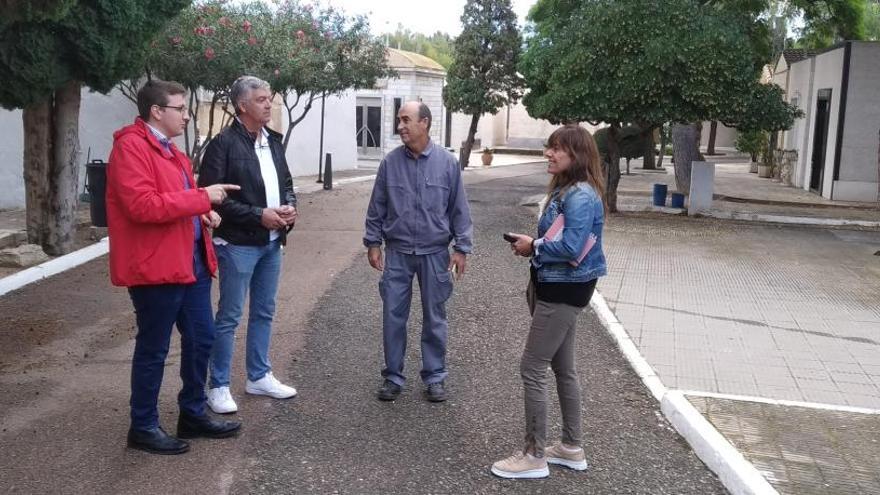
{"points": [[510, 237]]}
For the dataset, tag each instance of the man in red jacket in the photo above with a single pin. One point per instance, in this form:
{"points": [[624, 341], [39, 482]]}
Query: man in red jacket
{"points": [[160, 248]]}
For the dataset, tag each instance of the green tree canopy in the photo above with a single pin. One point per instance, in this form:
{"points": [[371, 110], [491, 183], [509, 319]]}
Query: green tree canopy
{"points": [[49, 49], [640, 61], [437, 46], [483, 76], [304, 52]]}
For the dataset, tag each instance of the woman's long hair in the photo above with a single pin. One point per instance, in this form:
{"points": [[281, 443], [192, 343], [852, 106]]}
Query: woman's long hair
{"points": [[586, 166]]}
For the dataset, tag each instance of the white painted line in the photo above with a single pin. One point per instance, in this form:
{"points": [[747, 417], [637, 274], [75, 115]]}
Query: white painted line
{"points": [[736, 473], [782, 402], [352, 180], [54, 267]]}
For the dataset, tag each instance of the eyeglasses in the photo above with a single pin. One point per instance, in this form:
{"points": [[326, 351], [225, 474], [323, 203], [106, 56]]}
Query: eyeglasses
{"points": [[182, 108]]}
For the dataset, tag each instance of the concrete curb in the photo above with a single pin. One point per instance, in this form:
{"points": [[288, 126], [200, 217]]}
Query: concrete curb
{"points": [[736, 473], [755, 217], [54, 267], [760, 217]]}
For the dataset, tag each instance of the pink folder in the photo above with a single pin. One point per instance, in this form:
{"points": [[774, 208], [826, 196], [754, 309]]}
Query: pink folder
{"points": [[554, 233]]}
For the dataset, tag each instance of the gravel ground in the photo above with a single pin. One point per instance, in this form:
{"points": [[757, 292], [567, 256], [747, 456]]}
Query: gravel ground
{"points": [[335, 437]]}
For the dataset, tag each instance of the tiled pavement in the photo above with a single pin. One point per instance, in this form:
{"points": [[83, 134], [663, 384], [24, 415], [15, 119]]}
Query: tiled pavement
{"points": [[750, 309], [779, 312], [802, 451]]}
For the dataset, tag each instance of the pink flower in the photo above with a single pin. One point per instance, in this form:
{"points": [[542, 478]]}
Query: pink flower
{"points": [[176, 41], [224, 21], [252, 41], [300, 35], [199, 30], [209, 53], [246, 26]]}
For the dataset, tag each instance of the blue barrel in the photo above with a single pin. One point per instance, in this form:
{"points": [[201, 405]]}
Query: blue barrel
{"points": [[677, 200], [659, 194]]}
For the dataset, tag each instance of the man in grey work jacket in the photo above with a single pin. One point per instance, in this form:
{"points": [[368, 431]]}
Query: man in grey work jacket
{"points": [[418, 207]]}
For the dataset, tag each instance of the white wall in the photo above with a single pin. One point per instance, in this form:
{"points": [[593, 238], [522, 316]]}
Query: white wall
{"points": [[828, 74], [725, 137], [100, 116], [525, 131], [858, 158], [799, 137], [11, 156], [339, 121]]}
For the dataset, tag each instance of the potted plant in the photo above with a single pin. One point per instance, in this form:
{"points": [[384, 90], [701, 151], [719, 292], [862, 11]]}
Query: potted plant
{"points": [[753, 143], [487, 157], [765, 168]]}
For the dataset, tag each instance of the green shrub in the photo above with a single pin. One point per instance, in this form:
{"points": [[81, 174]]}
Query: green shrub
{"points": [[752, 142]]}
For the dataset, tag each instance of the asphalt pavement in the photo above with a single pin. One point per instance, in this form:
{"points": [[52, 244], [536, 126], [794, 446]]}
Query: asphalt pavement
{"points": [[337, 438]]}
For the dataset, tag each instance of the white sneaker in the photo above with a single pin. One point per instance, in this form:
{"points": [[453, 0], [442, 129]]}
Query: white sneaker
{"points": [[220, 401], [269, 385], [521, 466], [562, 456]]}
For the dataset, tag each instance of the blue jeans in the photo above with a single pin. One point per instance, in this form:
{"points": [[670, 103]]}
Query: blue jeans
{"points": [[435, 284], [241, 268], [158, 308]]}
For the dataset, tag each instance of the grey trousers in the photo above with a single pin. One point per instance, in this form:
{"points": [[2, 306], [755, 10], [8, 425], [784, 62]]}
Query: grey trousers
{"points": [[395, 287], [551, 343]]}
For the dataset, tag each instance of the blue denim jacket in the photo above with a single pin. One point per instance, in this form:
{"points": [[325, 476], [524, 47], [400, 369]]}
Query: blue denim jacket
{"points": [[584, 214]]}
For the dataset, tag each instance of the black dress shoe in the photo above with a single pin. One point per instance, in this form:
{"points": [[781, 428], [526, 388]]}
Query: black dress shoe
{"points": [[389, 391], [156, 441], [203, 426], [436, 392]]}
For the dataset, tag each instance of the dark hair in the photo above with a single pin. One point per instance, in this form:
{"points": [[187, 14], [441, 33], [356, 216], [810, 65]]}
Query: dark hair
{"points": [[425, 113], [586, 165], [156, 92]]}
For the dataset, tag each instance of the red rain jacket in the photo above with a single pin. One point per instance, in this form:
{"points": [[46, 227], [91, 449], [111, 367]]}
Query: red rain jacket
{"points": [[149, 211]]}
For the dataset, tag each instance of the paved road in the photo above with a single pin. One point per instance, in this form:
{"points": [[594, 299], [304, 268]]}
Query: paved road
{"points": [[339, 438], [64, 360]]}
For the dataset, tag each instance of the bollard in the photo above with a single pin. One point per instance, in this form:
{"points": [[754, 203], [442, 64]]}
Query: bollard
{"points": [[328, 172], [660, 194]]}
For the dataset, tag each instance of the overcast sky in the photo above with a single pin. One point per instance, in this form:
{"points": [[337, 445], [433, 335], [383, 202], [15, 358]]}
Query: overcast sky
{"points": [[421, 16]]}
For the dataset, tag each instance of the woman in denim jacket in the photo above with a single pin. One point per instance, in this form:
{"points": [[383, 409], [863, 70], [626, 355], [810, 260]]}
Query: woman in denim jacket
{"points": [[559, 289]]}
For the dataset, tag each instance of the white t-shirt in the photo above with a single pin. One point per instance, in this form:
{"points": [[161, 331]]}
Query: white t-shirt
{"points": [[269, 173], [270, 179]]}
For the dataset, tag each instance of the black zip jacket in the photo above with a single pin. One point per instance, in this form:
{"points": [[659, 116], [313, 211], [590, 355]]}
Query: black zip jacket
{"points": [[230, 158]]}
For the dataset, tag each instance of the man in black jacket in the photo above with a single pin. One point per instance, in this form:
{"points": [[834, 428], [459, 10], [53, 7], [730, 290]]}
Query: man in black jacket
{"points": [[248, 243]]}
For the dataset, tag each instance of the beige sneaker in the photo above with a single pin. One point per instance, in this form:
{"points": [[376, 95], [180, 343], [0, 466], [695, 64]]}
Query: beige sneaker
{"points": [[562, 456], [521, 466]]}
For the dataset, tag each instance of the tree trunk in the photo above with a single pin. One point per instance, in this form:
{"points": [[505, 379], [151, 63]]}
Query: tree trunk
{"points": [[37, 122], [64, 171], [648, 161], [612, 171], [464, 154], [685, 149], [662, 147], [713, 132]]}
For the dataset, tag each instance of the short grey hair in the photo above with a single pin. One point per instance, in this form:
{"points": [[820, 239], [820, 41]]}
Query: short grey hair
{"points": [[425, 113], [242, 87]]}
